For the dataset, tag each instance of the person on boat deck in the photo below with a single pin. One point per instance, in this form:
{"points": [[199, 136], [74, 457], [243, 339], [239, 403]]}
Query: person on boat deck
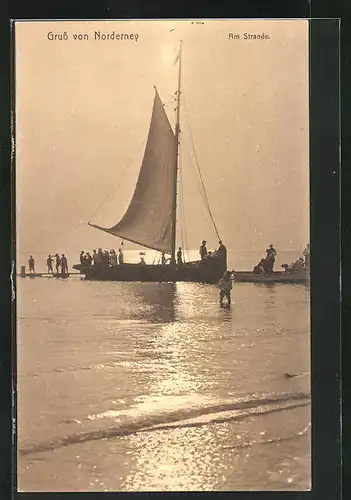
{"points": [[82, 258], [299, 264], [49, 262], [306, 254], [95, 257], [259, 268], [225, 287], [179, 256], [105, 258], [163, 258], [221, 252], [88, 259], [270, 258], [203, 250], [64, 265], [57, 263], [120, 256], [100, 257], [113, 258], [31, 264]]}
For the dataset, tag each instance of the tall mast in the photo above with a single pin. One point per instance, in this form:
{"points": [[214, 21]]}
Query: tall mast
{"points": [[177, 132]]}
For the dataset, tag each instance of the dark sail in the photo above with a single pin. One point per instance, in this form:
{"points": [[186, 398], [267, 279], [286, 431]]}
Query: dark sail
{"points": [[148, 219]]}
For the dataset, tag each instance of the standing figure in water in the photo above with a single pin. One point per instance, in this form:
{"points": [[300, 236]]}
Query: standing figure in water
{"points": [[225, 287], [31, 264], [49, 262]]}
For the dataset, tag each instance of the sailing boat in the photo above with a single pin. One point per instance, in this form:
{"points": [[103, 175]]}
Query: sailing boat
{"points": [[151, 217]]}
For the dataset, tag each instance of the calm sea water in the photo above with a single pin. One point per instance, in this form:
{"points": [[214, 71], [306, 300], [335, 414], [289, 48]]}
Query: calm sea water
{"points": [[154, 387]]}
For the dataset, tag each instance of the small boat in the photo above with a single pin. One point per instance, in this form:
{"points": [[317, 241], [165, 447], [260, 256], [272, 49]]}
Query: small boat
{"points": [[302, 276], [151, 217]]}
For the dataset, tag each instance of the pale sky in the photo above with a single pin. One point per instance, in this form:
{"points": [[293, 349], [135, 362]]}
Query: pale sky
{"points": [[83, 109]]}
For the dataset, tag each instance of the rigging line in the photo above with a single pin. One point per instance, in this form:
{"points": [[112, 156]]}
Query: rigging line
{"points": [[198, 167], [117, 183]]}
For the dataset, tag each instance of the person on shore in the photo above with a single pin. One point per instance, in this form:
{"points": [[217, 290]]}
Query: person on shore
{"points": [[31, 264], [64, 265], [179, 256], [225, 287], [203, 250], [142, 260], [57, 263], [120, 257], [49, 262]]}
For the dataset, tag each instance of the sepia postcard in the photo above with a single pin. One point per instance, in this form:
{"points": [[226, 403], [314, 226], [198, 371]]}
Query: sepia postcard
{"points": [[162, 251]]}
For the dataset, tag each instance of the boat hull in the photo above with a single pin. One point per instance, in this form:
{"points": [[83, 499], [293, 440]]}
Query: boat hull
{"points": [[275, 277], [198, 272]]}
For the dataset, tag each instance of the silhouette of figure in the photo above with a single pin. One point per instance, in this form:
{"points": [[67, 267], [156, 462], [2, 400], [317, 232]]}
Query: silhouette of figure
{"points": [[179, 256], [31, 264], [120, 256], [225, 287], [49, 262], [64, 265], [57, 263], [203, 250], [82, 258]]}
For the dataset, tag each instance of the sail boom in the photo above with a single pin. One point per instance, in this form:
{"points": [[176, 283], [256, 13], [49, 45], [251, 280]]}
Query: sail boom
{"points": [[109, 231]]}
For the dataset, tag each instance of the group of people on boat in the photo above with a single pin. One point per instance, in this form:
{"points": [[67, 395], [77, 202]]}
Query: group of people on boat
{"points": [[300, 263], [220, 252], [266, 265], [103, 258]]}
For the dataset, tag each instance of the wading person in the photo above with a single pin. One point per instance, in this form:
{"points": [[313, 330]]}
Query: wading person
{"points": [[49, 262], [31, 264], [225, 287]]}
